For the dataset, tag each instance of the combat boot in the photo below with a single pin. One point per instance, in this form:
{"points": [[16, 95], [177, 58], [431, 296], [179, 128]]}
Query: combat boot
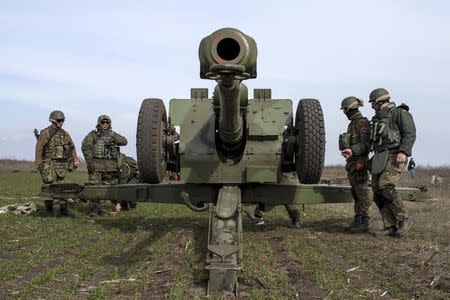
{"points": [[49, 208], [63, 209], [94, 211], [388, 231], [361, 227], [295, 223], [356, 222], [403, 227], [259, 220], [125, 206]]}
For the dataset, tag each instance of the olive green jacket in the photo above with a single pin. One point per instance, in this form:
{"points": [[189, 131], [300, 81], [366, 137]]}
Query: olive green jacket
{"points": [[98, 164], [402, 118]]}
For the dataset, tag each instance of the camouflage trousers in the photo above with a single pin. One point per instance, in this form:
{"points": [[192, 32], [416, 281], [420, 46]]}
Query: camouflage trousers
{"points": [[101, 177], [104, 177], [388, 200], [54, 172], [359, 188]]}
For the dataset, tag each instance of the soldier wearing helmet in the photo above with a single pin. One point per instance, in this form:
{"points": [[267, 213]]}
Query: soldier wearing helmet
{"points": [[55, 156], [392, 137], [354, 147], [101, 151]]}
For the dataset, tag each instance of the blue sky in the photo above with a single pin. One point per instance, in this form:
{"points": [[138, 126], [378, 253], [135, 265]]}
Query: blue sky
{"points": [[94, 57]]}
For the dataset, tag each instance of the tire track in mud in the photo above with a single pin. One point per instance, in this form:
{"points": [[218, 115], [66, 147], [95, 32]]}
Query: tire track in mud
{"points": [[160, 285], [367, 285], [19, 283], [115, 262], [305, 285]]}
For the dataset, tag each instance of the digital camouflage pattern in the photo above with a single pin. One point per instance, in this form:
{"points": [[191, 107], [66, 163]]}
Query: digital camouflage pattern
{"points": [[387, 199]]}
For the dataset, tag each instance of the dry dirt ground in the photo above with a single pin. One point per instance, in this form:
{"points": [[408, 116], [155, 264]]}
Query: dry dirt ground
{"points": [[158, 251]]}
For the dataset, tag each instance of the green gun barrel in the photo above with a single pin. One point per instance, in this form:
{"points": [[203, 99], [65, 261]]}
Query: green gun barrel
{"points": [[228, 56]]}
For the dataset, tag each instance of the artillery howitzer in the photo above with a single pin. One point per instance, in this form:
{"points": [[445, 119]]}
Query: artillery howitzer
{"points": [[229, 152]]}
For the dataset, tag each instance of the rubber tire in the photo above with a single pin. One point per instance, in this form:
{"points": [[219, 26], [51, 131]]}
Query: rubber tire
{"points": [[151, 157], [310, 155]]}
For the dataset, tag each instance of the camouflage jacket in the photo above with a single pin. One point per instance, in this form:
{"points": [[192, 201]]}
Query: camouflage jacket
{"points": [[54, 143]]}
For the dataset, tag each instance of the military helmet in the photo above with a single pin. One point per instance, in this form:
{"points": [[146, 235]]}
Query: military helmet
{"points": [[351, 103], [103, 117], [379, 95], [56, 115]]}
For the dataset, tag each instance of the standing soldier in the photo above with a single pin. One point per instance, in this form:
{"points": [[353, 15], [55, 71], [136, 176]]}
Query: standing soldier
{"points": [[354, 147], [392, 137], [101, 152], [55, 156]]}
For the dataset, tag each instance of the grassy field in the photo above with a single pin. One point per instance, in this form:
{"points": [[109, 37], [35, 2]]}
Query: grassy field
{"points": [[158, 251]]}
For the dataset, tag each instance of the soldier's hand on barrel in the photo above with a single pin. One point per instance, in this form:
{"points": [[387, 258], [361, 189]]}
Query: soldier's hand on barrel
{"points": [[347, 153], [401, 157]]}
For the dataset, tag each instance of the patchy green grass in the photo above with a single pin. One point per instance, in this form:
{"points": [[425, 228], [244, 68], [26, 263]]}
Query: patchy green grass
{"points": [[159, 250]]}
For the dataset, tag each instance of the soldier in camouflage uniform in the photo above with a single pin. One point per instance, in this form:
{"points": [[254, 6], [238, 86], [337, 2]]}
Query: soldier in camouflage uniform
{"points": [[284, 177], [101, 152], [292, 210], [354, 146], [392, 136], [55, 156], [128, 173]]}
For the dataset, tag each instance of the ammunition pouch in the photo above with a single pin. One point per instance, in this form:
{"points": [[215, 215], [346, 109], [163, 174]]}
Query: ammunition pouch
{"points": [[344, 141], [384, 134], [379, 161]]}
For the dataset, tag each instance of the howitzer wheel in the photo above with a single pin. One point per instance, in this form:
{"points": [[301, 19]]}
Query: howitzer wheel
{"points": [[310, 155], [151, 154]]}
